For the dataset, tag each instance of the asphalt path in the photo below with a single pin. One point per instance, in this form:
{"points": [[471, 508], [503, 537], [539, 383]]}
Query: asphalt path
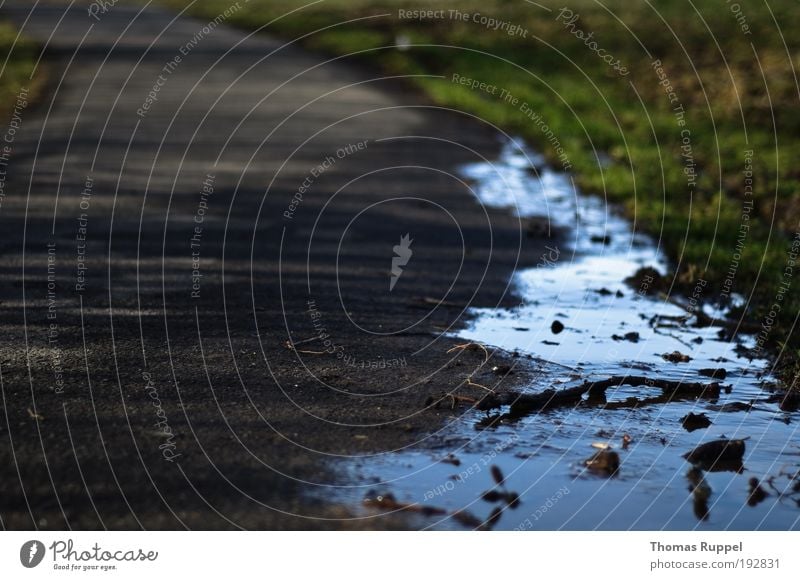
{"points": [[199, 325]]}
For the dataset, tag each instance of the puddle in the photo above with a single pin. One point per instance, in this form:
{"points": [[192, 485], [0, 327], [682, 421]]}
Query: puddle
{"points": [[542, 455]]}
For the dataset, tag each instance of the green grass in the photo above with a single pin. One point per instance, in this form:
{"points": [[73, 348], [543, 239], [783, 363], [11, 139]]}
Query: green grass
{"points": [[17, 60], [726, 85]]}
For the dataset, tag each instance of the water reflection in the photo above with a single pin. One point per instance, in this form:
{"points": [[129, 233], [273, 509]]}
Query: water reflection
{"points": [[582, 321]]}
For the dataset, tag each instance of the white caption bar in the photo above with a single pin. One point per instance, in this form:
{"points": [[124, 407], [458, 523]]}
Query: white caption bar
{"points": [[389, 555]]}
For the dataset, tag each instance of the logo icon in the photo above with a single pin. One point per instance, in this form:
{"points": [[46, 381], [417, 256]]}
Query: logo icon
{"points": [[403, 254], [31, 553]]}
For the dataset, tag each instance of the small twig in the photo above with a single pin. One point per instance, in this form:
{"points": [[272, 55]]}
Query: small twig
{"points": [[293, 346], [472, 346], [452, 398], [704, 320], [673, 336], [33, 415], [295, 343], [471, 383]]}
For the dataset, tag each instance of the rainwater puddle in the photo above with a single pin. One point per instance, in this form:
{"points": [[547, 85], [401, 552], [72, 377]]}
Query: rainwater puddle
{"points": [[581, 285]]}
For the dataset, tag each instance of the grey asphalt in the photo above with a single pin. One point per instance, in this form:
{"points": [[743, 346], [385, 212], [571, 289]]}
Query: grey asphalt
{"points": [[156, 258]]}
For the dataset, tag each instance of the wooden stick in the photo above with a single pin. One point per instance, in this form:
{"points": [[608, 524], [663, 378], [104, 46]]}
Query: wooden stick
{"points": [[522, 403], [709, 390], [549, 399]]}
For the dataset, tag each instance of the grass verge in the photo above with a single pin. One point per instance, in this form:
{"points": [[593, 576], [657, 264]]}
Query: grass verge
{"points": [[18, 57]]}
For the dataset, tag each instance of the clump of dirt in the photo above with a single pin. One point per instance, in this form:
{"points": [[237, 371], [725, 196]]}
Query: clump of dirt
{"points": [[647, 280], [695, 421], [629, 336], [721, 450], [676, 357], [718, 373], [604, 462]]}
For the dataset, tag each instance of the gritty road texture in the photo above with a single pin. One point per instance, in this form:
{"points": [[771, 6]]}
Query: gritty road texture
{"points": [[155, 266]]}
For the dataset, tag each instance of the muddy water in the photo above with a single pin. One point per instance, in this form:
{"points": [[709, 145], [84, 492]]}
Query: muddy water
{"points": [[580, 284]]}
